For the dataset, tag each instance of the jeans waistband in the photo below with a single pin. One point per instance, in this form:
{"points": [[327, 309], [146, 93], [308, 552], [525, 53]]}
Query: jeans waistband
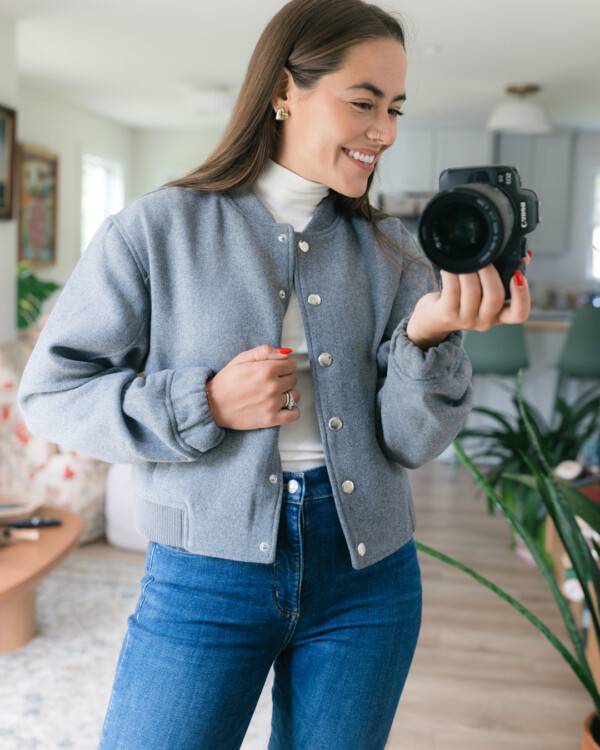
{"points": [[304, 485]]}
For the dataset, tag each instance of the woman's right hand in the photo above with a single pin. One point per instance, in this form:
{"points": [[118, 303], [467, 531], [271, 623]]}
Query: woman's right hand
{"points": [[249, 392]]}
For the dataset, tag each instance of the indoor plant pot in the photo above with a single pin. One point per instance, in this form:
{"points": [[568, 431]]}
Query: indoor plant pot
{"points": [[591, 730]]}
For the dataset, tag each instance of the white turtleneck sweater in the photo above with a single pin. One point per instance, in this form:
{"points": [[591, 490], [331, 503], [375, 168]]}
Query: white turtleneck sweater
{"points": [[292, 200]]}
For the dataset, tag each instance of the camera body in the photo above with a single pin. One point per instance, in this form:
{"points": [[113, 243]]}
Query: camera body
{"points": [[480, 216]]}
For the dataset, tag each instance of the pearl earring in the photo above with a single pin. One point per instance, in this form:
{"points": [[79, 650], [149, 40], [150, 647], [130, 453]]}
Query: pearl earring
{"points": [[281, 114]]}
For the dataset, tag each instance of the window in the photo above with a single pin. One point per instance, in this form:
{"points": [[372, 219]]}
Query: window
{"points": [[102, 194], [596, 231]]}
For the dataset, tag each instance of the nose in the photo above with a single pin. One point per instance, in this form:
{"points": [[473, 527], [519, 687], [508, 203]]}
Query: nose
{"points": [[382, 130]]}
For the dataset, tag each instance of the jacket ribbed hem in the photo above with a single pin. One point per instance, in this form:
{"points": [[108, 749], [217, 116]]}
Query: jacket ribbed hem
{"points": [[165, 524]]}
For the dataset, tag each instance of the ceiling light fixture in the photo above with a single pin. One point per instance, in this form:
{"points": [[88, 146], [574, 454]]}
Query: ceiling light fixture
{"points": [[519, 115]]}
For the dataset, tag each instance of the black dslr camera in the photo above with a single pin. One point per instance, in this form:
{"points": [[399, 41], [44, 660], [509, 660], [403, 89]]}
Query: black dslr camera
{"points": [[480, 216]]}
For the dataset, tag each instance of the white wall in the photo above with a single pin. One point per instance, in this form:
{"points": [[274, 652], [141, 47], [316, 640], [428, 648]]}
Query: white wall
{"points": [[70, 131], [163, 155], [149, 157], [8, 229]]}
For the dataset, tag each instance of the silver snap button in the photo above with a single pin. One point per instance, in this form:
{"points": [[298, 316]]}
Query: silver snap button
{"points": [[282, 293], [362, 550], [325, 359], [293, 486], [303, 245], [273, 479], [264, 546], [282, 237], [314, 299], [335, 424], [348, 487]]}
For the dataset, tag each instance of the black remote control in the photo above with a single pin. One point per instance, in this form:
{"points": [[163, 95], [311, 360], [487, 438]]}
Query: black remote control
{"points": [[34, 523]]}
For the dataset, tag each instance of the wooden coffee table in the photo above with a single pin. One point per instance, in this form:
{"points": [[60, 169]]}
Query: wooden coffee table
{"points": [[22, 566]]}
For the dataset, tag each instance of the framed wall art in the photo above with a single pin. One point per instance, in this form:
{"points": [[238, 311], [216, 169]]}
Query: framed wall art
{"points": [[7, 154], [38, 182]]}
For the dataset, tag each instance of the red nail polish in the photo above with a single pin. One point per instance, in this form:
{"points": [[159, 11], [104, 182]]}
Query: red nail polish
{"points": [[285, 351], [519, 278], [530, 253]]}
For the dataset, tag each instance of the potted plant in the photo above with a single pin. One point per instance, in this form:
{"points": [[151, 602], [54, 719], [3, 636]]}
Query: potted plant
{"points": [[507, 440], [564, 505]]}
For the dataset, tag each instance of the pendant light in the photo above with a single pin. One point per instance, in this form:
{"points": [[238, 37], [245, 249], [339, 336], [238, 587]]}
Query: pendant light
{"points": [[520, 115]]}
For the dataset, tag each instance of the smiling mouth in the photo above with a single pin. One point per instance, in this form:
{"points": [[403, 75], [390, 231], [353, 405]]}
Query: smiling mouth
{"points": [[359, 156]]}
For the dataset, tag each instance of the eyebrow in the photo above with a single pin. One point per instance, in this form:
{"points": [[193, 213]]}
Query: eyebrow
{"points": [[378, 92]]}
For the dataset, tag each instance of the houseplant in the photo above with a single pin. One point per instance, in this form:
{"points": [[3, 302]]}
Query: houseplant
{"points": [[507, 440], [564, 505], [32, 292]]}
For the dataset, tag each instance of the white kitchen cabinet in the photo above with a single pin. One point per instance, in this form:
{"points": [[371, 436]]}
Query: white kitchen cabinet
{"points": [[415, 161], [462, 148], [408, 165], [544, 163]]}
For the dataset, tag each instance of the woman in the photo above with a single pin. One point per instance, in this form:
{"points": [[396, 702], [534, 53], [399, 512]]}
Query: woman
{"points": [[272, 483]]}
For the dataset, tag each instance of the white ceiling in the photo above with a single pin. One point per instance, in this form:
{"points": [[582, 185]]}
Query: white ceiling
{"points": [[136, 61]]}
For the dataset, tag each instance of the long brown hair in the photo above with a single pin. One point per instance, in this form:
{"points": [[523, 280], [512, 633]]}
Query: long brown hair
{"points": [[311, 38]]}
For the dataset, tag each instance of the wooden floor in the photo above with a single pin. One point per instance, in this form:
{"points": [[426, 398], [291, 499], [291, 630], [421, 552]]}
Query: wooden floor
{"points": [[482, 676]]}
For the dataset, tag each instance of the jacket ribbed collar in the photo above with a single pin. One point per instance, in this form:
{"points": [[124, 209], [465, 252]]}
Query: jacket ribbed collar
{"points": [[248, 203]]}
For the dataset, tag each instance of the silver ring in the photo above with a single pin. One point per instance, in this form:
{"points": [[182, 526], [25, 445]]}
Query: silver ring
{"points": [[289, 401]]}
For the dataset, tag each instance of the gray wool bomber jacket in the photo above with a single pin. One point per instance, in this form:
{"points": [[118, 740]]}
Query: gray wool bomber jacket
{"points": [[174, 287]]}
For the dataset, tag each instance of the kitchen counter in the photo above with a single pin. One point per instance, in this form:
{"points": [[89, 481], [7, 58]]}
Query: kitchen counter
{"points": [[541, 319]]}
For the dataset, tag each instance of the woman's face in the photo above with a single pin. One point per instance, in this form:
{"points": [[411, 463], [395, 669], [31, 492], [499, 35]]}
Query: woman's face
{"points": [[348, 114]]}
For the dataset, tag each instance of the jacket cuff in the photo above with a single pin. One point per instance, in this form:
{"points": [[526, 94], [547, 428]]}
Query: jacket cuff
{"points": [[436, 363], [193, 420]]}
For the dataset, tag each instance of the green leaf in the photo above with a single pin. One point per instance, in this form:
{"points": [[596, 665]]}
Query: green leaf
{"points": [[31, 294], [579, 503], [494, 415], [535, 416], [525, 479], [582, 506]]}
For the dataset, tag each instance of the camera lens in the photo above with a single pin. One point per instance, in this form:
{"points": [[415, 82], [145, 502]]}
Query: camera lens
{"points": [[459, 231], [466, 227]]}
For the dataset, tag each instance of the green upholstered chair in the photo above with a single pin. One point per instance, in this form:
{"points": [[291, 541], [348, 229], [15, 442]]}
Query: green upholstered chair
{"points": [[580, 356], [501, 351]]}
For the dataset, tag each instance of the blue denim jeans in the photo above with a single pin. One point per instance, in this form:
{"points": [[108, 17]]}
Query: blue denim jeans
{"points": [[206, 631]]}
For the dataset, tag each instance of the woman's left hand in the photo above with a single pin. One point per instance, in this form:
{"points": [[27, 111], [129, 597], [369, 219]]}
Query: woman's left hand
{"points": [[472, 301]]}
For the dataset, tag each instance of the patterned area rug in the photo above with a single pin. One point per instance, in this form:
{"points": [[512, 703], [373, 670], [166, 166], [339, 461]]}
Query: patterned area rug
{"points": [[54, 691]]}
